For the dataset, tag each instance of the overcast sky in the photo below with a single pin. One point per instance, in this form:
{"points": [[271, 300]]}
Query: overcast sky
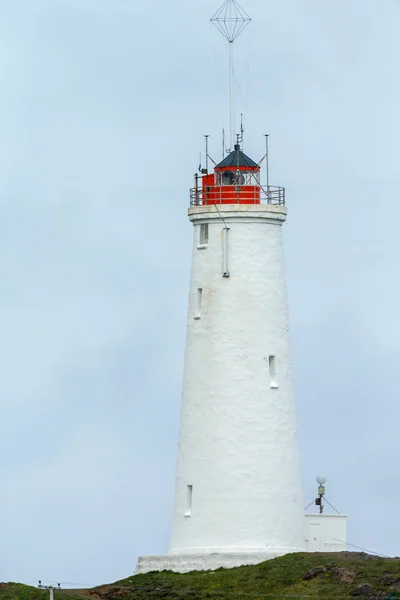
{"points": [[103, 104]]}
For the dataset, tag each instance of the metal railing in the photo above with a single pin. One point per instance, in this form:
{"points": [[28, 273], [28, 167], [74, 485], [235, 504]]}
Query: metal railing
{"points": [[219, 194]]}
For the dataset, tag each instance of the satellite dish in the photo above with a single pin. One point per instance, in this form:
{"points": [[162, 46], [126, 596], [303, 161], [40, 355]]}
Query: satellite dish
{"points": [[321, 479]]}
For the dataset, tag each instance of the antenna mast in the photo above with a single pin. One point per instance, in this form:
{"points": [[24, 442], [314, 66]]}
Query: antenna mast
{"points": [[231, 20]]}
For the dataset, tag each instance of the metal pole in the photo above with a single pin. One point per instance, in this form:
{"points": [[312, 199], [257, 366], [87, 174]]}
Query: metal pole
{"points": [[225, 270], [48, 587], [267, 164], [231, 96], [207, 136], [196, 188]]}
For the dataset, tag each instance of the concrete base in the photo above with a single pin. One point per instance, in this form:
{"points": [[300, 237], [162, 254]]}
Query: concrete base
{"points": [[185, 563], [324, 533]]}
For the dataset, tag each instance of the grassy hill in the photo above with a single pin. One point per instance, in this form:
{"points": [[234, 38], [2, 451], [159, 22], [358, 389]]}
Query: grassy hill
{"points": [[336, 575]]}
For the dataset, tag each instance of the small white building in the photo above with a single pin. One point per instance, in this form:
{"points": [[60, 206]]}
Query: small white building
{"points": [[326, 533]]}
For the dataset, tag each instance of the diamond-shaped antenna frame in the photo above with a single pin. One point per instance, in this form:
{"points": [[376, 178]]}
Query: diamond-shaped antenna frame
{"points": [[231, 20]]}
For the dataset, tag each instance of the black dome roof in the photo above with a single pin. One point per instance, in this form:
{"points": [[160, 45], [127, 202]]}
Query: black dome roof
{"points": [[237, 158]]}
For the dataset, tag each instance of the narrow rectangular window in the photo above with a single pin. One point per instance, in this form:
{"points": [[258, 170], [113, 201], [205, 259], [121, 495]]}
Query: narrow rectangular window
{"points": [[225, 269], [189, 498], [272, 372], [203, 234], [199, 303]]}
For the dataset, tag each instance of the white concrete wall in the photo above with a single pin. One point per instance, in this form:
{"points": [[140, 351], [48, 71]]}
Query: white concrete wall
{"points": [[238, 444], [326, 533], [185, 563]]}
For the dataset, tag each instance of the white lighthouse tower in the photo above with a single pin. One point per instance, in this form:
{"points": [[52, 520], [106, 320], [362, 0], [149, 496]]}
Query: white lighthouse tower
{"points": [[238, 480], [238, 497]]}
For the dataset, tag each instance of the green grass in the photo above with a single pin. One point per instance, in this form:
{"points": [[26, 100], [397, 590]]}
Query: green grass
{"points": [[17, 591], [339, 576]]}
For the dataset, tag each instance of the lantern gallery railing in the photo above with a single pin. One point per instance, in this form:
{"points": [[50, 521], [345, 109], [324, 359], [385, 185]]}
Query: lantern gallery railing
{"points": [[203, 196]]}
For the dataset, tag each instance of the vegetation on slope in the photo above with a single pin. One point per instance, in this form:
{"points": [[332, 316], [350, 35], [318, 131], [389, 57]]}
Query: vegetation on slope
{"points": [[297, 576], [17, 591]]}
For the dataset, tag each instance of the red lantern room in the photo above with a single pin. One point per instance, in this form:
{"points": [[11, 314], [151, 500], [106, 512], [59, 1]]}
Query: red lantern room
{"points": [[235, 180]]}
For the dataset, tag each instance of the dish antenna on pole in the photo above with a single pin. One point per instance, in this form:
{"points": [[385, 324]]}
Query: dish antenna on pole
{"points": [[231, 20]]}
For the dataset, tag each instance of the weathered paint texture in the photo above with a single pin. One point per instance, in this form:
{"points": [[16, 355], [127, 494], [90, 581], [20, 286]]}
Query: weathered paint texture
{"points": [[238, 445], [185, 563], [238, 440]]}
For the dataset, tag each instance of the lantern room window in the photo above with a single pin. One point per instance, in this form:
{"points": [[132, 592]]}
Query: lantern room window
{"points": [[237, 178]]}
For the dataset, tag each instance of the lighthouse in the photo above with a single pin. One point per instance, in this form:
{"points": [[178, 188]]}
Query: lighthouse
{"points": [[238, 478], [238, 498]]}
